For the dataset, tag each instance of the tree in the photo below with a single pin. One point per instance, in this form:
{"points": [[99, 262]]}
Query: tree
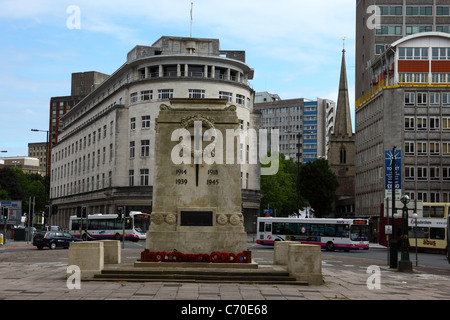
{"points": [[280, 190], [18, 185], [318, 185]]}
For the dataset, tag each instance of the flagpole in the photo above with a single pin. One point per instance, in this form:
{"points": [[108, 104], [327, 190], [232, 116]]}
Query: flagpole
{"points": [[192, 4]]}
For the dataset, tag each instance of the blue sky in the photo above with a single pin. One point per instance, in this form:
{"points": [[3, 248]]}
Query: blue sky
{"points": [[294, 47]]}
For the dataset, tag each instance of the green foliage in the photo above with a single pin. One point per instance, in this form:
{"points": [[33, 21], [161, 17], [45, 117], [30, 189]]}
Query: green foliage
{"points": [[318, 184], [280, 190], [18, 185]]}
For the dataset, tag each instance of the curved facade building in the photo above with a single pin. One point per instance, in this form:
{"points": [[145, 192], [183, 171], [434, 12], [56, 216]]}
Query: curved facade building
{"points": [[104, 157]]}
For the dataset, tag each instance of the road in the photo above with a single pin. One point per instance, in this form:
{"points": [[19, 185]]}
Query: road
{"points": [[379, 253], [262, 254]]}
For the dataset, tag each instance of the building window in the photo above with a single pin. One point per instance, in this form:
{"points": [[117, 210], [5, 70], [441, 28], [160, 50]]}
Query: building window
{"points": [[133, 124], [445, 29], [422, 123], [434, 197], [196, 94], [145, 148], [434, 123], [389, 10], [240, 99], [445, 98], [434, 148], [389, 30], [145, 122], [413, 54], [343, 156], [405, 78], [131, 178], [165, 94], [133, 97], [435, 98], [422, 196], [418, 29], [409, 173], [446, 124], [421, 148], [419, 10], [440, 53], [409, 147], [446, 148], [420, 77], [409, 123], [446, 173], [144, 177], [226, 95], [443, 10], [132, 149], [434, 173], [147, 95], [409, 98]]}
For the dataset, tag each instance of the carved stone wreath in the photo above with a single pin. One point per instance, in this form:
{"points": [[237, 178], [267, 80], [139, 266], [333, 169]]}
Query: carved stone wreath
{"points": [[208, 123], [222, 219], [235, 219], [157, 218], [171, 218]]}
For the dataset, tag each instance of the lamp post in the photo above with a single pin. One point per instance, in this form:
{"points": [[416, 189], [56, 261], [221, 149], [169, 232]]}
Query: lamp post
{"points": [[393, 244], [405, 265], [415, 235]]}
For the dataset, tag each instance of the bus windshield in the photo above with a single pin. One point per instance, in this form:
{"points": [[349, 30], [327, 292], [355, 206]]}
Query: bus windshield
{"points": [[359, 232], [142, 222]]}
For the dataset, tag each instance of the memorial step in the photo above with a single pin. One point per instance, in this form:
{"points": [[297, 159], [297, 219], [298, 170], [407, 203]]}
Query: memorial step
{"points": [[203, 275]]}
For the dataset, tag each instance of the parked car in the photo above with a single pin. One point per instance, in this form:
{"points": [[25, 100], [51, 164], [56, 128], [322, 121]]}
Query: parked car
{"points": [[52, 228], [53, 239]]}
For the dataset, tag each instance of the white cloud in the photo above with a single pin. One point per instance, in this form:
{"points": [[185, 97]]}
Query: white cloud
{"points": [[293, 45]]}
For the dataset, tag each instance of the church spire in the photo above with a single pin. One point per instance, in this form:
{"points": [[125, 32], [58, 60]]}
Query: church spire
{"points": [[343, 122]]}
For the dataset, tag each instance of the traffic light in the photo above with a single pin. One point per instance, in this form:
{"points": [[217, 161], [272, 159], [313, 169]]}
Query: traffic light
{"points": [[54, 209], [5, 213], [84, 212], [47, 211], [120, 214]]}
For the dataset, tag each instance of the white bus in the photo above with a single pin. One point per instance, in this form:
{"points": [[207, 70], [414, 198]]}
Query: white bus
{"points": [[106, 226], [330, 234]]}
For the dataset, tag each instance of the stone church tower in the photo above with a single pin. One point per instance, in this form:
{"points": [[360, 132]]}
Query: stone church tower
{"points": [[341, 151]]}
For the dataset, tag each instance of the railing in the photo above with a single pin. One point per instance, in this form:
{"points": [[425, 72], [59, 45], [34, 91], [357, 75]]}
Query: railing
{"points": [[190, 74], [390, 83]]}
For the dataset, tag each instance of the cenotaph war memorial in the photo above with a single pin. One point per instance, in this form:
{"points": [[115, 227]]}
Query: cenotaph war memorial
{"points": [[197, 187]]}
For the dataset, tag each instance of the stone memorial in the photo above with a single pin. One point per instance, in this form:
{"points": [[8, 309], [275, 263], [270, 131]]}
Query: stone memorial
{"points": [[197, 187]]}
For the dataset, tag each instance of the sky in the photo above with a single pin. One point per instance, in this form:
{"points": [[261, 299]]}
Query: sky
{"points": [[294, 46]]}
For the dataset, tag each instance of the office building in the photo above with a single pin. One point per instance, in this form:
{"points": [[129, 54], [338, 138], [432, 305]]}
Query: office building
{"points": [[82, 83], [407, 108], [379, 23], [104, 156], [313, 120]]}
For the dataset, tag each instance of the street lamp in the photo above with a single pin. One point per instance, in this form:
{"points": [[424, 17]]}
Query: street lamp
{"points": [[393, 250], [415, 234], [405, 264], [47, 149]]}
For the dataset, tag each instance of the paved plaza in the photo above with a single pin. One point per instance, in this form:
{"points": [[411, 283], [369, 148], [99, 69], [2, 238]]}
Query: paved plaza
{"points": [[41, 274]]}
